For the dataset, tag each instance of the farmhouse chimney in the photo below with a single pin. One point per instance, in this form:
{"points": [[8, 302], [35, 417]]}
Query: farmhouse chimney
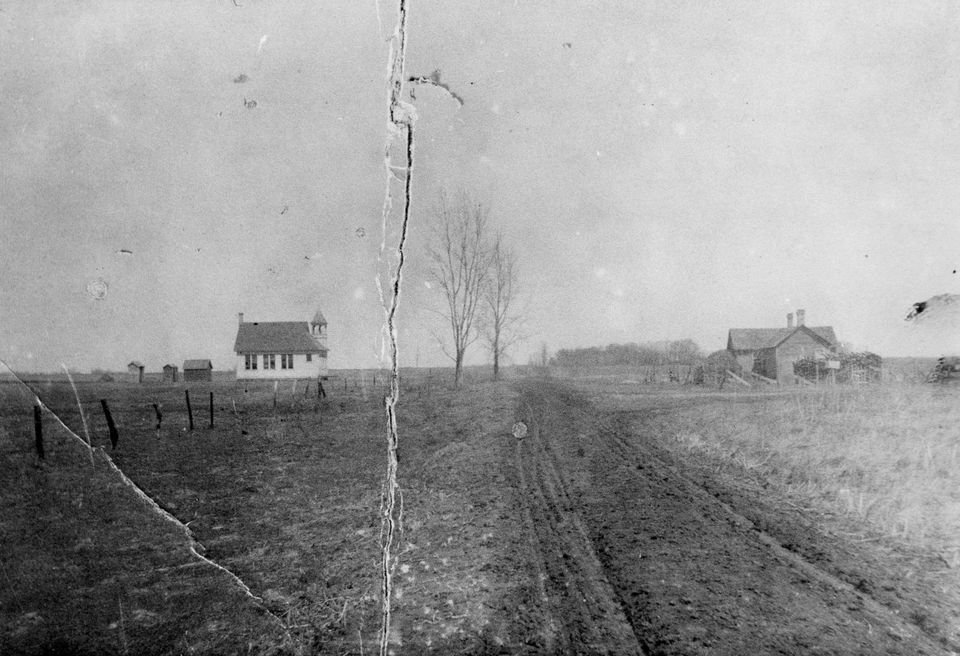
{"points": [[240, 316], [789, 319], [800, 317]]}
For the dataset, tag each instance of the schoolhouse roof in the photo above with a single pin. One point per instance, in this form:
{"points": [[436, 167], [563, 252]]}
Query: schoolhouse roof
{"points": [[276, 337]]}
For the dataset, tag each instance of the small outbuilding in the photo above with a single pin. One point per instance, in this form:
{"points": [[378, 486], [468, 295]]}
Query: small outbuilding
{"points": [[135, 371], [201, 370], [170, 373]]}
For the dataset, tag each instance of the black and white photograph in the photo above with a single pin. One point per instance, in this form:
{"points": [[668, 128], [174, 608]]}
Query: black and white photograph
{"points": [[392, 327]]}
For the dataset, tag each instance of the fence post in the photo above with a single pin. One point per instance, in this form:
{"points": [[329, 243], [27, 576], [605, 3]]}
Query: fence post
{"points": [[211, 409], [114, 435], [236, 413], [189, 407], [38, 429], [156, 409]]}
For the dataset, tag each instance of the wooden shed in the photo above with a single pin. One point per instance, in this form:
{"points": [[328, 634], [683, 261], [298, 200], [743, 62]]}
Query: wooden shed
{"points": [[201, 370], [135, 371], [170, 373]]}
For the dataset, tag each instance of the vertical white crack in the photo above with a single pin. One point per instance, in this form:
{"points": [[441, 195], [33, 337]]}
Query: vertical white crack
{"points": [[402, 117]]}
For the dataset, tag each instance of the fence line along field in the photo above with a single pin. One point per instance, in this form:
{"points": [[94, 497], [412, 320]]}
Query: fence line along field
{"points": [[286, 497], [282, 490]]}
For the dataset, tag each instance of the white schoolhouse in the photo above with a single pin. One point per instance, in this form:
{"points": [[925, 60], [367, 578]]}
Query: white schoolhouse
{"points": [[268, 350]]}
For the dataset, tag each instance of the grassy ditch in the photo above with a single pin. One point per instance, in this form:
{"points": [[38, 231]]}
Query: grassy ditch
{"points": [[886, 455], [862, 481]]}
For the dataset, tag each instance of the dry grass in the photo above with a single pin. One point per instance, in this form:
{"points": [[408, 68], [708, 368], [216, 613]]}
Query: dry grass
{"points": [[884, 454]]}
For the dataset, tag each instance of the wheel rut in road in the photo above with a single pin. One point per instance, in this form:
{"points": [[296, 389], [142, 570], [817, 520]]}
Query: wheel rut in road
{"points": [[582, 612], [633, 557]]}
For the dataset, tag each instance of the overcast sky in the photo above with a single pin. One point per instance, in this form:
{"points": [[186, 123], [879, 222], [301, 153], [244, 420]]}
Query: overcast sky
{"points": [[665, 170]]}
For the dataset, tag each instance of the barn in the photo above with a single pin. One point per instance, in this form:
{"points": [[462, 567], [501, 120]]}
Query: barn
{"points": [[135, 371], [194, 370], [268, 350], [771, 352], [170, 373]]}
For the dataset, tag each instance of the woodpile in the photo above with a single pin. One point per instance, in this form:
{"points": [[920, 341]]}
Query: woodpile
{"points": [[859, 367]]}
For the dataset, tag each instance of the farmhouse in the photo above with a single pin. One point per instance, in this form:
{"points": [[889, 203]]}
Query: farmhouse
{"points": [[170, 373], [135, 371], [197, 370], [771, 352], [268, 350]]}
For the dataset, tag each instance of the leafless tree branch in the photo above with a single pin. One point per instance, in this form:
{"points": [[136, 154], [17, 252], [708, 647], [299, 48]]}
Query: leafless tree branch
{"points": [[500, 299], [460, 265]]}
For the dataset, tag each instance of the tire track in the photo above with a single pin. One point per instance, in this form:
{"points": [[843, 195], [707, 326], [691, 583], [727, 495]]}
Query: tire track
{"points": [[583, 613], [709, 582], [897, 626]]}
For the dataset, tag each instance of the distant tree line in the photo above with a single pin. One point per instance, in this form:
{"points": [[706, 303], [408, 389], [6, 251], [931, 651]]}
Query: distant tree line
{"points": [[684, 351]]}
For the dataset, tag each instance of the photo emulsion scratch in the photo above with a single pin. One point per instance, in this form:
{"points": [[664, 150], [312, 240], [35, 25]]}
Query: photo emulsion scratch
{"points": [[402, 118], [445, 327], [192, 544]]}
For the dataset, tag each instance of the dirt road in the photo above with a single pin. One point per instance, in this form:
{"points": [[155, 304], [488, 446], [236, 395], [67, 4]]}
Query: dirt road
{"points": [[631, 557]]}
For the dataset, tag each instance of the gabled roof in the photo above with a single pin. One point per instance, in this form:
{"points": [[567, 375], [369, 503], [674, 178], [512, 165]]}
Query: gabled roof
{"points": [[824, 333], [318, 318], [169, 366], [197, 364], [276, 337], [754, 339]]}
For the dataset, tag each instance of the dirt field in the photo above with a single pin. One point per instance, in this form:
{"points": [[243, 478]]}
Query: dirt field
{"points": [[714, 564], [592, 534]]}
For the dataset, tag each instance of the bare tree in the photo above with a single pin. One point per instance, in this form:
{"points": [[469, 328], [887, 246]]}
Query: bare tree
{"points": [[500, 301], [460, 258]]}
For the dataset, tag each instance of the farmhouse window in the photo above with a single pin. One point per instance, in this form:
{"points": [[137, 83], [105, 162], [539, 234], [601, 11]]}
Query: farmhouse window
{"points": [[250, 361], [286, 361], [270, 361], [309, 357]]}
